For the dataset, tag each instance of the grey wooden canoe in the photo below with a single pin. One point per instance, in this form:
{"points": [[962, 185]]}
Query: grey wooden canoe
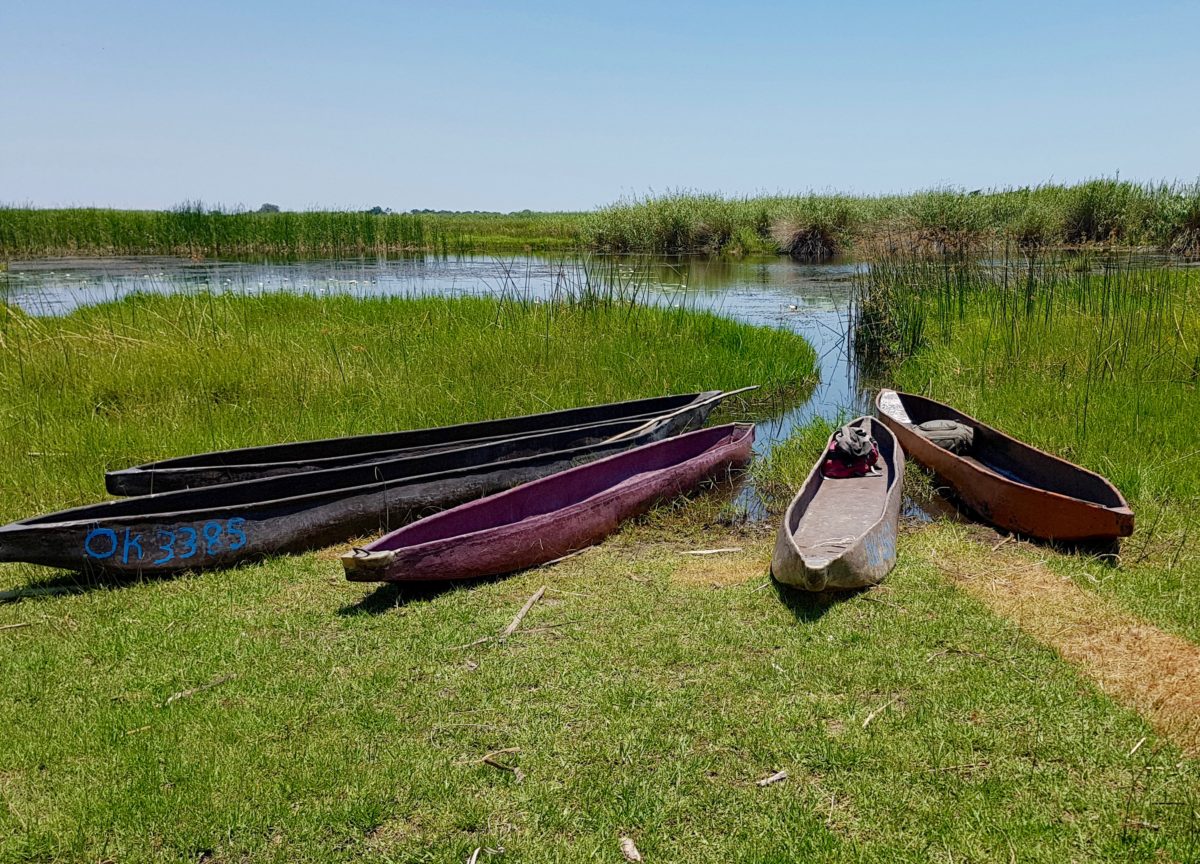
{"points": [[841, 533]]}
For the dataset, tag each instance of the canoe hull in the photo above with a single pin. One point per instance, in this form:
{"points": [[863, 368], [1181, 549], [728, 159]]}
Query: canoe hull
{"points": [[544, 537], [225, 525], [228, 536], [1021, 507], [863, 557], [253, 463]]}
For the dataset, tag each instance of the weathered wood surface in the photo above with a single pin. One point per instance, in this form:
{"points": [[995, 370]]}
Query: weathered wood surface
{"points": [[219, 526], [252, 463], [841, 532]]}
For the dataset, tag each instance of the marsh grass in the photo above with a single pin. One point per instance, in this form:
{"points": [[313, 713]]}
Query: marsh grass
{"points": [[811, 227], [205, 232], [1103, 212], [1096, 359]]}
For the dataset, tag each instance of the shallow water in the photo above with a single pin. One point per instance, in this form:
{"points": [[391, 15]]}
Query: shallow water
{"points": [[810, 299]]}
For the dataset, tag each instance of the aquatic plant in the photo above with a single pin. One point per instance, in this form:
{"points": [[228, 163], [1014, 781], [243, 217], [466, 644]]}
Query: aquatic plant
{"points": [[1110, 345], [1177, 217], [1108, 212]]}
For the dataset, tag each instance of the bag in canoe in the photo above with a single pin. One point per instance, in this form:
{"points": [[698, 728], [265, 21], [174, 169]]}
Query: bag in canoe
{"points": [[852, 453], [947, 434]]}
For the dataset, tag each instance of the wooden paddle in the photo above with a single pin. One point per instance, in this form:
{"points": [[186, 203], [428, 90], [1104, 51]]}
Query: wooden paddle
{"points": [[654, 421]]}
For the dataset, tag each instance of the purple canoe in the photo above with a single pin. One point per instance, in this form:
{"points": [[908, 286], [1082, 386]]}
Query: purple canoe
{"points": [[548, 518]]}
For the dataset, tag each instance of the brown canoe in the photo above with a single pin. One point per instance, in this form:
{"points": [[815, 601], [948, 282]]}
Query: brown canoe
{"points": [[548, 518], [1008, 483], [841, 532]]}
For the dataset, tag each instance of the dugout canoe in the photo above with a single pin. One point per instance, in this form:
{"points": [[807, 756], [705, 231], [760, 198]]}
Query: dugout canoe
{"points": [[1009, 483], [219, 526], [252, 463], [841, 532], [551, 517]]}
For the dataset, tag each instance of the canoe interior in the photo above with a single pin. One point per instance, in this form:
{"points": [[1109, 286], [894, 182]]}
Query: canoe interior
{"points": [[435, 436], [838, 515], [557, 492], [1013, 459], [291, 492], [831, 514]]}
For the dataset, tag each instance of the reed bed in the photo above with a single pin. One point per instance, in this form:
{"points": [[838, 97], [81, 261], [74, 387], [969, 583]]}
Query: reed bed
{"points": [[811, 227], [196, 231], [1093, 357], [1105, 212]]}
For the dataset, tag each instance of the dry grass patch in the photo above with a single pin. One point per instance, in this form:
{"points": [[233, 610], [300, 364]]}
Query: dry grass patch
{"points": [[721, 569], [1155, 672]]}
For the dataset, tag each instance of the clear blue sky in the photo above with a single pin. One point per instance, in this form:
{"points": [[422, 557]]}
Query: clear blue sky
{"points": [[462, 105]]}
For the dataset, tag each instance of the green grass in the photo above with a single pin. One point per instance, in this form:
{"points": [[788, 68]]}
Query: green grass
{"points": [[348, 723], [1103, 211], [782, 471], [148, 377], [353, 727], [1095, 360]]}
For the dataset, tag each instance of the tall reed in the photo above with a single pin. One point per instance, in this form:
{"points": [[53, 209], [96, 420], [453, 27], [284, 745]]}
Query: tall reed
{"points": [[1078, 352], [1106, 212], [195, 230]]}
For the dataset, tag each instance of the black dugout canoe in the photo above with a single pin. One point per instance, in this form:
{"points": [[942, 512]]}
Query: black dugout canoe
{"points": [[252, 463], [219, 526]]}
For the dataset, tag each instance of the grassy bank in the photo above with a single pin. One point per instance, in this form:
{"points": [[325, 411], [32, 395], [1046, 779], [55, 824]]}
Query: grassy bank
{"points": [[149, 377], [276, 712], [1095, 359], [809, 227], [644, 696]]}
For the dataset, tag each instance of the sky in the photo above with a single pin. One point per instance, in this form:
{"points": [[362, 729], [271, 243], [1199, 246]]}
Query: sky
{"points": [[558, 106]]}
